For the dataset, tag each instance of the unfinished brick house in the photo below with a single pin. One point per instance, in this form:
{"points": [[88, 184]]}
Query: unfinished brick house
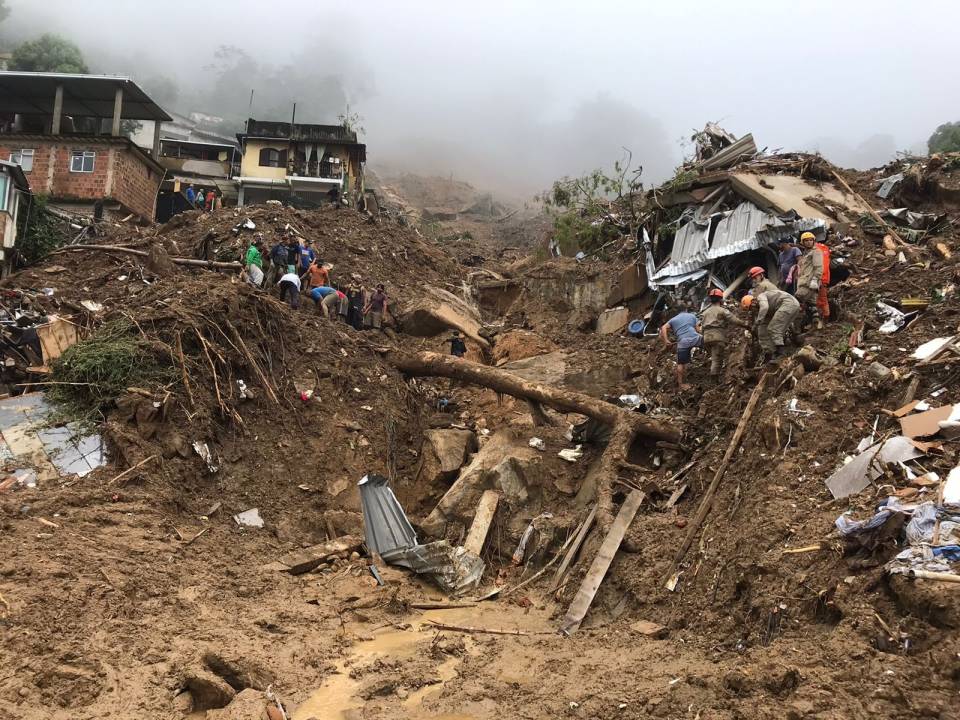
{"points": [[53, 126]]}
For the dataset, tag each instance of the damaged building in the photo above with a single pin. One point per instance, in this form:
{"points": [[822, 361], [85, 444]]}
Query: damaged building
{"points": [[300, 163], [67, 133]]}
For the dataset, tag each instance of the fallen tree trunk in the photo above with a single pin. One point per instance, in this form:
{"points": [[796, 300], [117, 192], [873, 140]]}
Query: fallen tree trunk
{"points": [[624, 425], [191, 262]]}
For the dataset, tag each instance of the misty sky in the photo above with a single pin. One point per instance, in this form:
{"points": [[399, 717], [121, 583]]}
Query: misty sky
{"points": [[510, 95]]}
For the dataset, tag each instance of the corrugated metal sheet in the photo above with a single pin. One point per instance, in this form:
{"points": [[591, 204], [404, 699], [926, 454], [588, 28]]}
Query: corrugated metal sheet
{"points": [[744, 228], [386, 529], [743, 148], [689, 249], [737, 231]]}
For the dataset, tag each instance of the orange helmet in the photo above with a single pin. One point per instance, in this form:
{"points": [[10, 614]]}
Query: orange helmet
{"points": [[746, 301], [716, 292], [757, 270]]}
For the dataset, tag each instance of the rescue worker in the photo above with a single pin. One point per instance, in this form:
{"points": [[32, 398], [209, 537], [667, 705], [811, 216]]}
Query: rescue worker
{"points": [[776, 311], [714, 322], [686, 329], [758, 278], [823, 301], [810, 274]]}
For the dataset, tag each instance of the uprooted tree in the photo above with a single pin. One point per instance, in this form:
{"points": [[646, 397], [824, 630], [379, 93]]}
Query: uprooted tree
{"points": [[624, 426], [598, 207]]}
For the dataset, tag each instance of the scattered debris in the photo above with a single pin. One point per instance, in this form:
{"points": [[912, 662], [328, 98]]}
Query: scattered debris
{"points": [[868, 465], [572, 454], [249, 518]]}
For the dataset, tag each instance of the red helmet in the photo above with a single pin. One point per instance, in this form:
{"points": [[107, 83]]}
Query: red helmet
{"points": [[757, 270], [716, 292]]}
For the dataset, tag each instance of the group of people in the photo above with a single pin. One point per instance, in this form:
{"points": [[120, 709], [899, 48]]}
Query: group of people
{"points": [[203, 200], [293, 265], [771, 311]]}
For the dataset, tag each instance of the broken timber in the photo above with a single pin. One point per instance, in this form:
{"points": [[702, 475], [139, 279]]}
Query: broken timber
{"points": [[601, 563], [301, 561], [486, 509], [191, 262], [572, 551], [624, 426], [707, 501]]}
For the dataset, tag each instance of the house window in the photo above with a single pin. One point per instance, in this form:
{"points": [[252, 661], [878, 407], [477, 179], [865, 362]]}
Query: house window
{"points": [[273, 158], [4, 180], [82, 161], [23, 158]]}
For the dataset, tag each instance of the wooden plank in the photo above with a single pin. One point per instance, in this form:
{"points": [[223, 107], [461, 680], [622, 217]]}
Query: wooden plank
{"points": [[55, 337], [486, 509], [601, 563], [707, 502], [574, 547], [675, 498], [301, 561]]}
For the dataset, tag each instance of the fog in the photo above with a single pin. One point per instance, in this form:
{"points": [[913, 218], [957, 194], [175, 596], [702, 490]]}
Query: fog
{"points": [[511, 95]]}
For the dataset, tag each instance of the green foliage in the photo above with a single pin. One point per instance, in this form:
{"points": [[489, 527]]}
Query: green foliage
{"points": [[945, 138], [49, 53], [4, 10], [352, 122], [591, 210], [92, 374], [39, 233]]}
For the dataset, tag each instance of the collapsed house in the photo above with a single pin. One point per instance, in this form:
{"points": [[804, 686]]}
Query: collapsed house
{"points": [[722, 213]]}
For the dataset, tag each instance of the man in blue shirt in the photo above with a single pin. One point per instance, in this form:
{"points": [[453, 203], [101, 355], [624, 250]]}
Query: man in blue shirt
{"points": [[687, 331], [787, 260], [191, 194]]}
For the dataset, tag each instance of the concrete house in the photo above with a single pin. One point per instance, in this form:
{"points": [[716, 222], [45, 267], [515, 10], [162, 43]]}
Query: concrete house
{"points": [[65, 133], [13, 189], [298, 163]]}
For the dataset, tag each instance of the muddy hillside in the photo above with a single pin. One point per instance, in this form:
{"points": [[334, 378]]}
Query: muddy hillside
{"points": [[217, 505]]}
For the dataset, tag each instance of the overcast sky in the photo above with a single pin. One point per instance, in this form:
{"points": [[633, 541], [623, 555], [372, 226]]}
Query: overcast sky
{"points": [[510, 95]]}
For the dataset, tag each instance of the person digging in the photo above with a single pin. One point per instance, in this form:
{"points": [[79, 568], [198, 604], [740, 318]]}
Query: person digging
{"points": [[686, 329], [714, 322], [776, 312]]}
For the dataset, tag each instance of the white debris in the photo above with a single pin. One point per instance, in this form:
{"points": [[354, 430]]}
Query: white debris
{"points": [[537, 443], [249, 518], [572, 454]]}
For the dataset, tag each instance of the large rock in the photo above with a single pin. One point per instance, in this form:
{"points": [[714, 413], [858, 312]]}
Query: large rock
{"points": [[431, 311], [505, 463], [247, 705], [548, 369], [443, 453], [613, 320], [208, 691]]}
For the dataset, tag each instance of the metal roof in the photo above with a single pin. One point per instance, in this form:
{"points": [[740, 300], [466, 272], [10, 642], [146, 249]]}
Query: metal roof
{"points": [[32, 93]]}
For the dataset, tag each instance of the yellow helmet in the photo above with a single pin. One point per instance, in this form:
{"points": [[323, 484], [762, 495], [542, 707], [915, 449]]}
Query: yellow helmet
{"points": [[807, 236]]}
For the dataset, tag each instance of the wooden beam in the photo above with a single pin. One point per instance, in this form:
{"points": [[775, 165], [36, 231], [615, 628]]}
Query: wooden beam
{"points": [[707, 501], [601, 563], [301, 561], [486, 509], [572, 551]]}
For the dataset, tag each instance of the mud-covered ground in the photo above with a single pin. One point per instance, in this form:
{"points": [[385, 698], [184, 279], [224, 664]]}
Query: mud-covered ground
{"points": [[114, 605]]}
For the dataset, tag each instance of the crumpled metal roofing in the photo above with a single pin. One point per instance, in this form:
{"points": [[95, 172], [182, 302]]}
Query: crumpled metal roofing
{"points": [[744, 228], [386, 528]]}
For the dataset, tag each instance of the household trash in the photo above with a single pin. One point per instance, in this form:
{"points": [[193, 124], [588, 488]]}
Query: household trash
{"points": [[944, 420], [951, 488], [634, 402], [889, 185], [242, 387], [914, 220], [521, 550], [895, 320], [203, 450], [847, 527], [92, 306], [794, 407], [249, 518], [931, 348], [868, 466], [537, 443], [246, 224], [388, 533], [572, 454]]}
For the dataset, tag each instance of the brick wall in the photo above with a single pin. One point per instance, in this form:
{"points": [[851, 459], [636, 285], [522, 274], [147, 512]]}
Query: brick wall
{"points": [[135, 184], [118, 173]]}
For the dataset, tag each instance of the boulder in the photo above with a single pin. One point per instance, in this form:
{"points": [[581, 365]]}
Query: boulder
{"points": [[443, 454], [613, 321], [505, 463], [247, 705], [208, 691], [432, 311]]}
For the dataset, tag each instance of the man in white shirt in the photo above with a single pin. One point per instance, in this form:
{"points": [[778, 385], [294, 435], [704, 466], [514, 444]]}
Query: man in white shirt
{"points": [[290, 285]]}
